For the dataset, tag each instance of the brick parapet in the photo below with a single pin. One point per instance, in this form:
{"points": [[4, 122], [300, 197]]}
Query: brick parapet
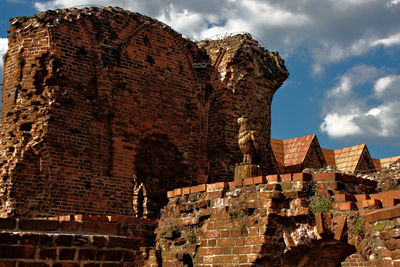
{"points": [[87, 224], [75, 240], [232, 221]]}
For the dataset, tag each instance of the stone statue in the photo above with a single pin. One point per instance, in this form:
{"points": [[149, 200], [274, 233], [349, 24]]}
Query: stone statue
{"points": [[248, 142]]}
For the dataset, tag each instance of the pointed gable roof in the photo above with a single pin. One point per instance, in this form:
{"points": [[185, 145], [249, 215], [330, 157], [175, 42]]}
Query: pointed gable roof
{"points": [[387, 161], [347, 159], [295, 149], [277, 149]]}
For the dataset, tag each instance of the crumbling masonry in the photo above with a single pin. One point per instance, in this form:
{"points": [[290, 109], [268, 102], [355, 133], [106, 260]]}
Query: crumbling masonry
{"points": [[105, 110], [111, 119]]}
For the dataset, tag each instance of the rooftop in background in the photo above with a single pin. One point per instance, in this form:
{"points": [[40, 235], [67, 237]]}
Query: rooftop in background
{"points": [[297, 154]]}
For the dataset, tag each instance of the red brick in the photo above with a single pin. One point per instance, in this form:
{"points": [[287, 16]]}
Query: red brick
{"points": [[99, 241], [64, 240], [198, 188], [99, 227], [8, 263], [248, 181], [32, 264], [9, 238], [371, 203], [7, 223], [124, 242], [319, 223], [186, 190], [286, 177], [178, 191], [392, 244], [66, 264], [39, 225], [232, 185], [47, 253], [273, 178], [87, 254], [389, 202], [395, 232], [67, 254], [8, 252], [361, 197], [327, 176], [69, 226], [170, 193], [82, 218], [343, 197], [260, 180], [109, 255], [214, 186], [302, 176]]}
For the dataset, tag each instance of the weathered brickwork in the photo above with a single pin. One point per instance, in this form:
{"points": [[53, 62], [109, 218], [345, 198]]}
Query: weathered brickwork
{"points": [[270, 221], [112, 113], [83, 241], [355, 260], [105, 110]]}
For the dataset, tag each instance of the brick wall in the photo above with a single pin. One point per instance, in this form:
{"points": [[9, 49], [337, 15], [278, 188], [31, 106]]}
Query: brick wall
{"points": [[105, 110], [262, 221], [85, 241], [355, 260]]}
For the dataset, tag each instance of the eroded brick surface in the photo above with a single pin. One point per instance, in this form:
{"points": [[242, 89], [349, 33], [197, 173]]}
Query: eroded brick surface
{"points": [[105, 110]]}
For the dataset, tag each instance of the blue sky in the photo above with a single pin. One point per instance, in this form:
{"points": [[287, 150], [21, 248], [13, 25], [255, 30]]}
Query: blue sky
{"points": [[343, 57]]}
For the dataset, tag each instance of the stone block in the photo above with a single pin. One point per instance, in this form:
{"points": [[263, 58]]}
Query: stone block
{"points": [[243, 171]]}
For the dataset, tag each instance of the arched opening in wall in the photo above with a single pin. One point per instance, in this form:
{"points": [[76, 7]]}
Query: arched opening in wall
{"points": [[139, 199], [159, 167], [324, 252]]}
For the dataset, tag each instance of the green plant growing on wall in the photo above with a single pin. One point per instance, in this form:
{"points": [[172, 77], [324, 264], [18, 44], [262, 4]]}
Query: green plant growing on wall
{"points": [[191, 236], [320, 203], [359, 226], [237, 214]]}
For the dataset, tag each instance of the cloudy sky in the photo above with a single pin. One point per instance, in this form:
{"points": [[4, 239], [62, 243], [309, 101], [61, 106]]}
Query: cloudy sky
{"points": [[343, 57]]}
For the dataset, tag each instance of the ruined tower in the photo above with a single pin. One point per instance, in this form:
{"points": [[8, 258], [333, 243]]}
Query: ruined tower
{"points": [[104, 110]]}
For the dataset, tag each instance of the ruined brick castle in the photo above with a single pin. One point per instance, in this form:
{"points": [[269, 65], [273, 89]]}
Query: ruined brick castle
{"points": [[111, 119]]}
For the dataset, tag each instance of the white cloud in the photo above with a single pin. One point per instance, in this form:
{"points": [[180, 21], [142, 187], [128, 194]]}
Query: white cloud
{"points": [[332, 30], [3, 50], [376, 116], [388, 41], [343, 88], [383, 84], [341, 125], [184, 21], [393, 3], [357, 75]]}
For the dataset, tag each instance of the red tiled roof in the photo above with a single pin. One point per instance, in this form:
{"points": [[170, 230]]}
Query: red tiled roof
{"points": [[347, 158], [290, 155], [295, 149], [387, 161]]}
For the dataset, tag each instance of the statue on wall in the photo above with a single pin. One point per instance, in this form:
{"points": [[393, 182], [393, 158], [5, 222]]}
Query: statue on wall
{"points": [[248, 141]]}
